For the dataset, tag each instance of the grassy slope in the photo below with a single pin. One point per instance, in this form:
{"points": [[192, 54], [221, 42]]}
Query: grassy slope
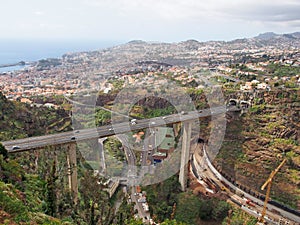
{"points": [[257, 142], [18, 120]]}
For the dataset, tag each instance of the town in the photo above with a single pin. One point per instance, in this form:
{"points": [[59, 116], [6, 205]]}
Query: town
{"points": [[135, 159], [252, 61]]}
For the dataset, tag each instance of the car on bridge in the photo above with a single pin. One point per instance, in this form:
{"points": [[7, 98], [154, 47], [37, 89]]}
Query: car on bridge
{"points": [[15, 147], [133, 121]]}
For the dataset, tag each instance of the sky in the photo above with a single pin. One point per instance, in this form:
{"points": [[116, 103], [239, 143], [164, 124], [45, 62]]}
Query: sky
{"points": [[149, 20]]}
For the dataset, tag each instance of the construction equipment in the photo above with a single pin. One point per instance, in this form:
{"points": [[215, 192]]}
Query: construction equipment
{"points": [[173, 211], [268, 183]]}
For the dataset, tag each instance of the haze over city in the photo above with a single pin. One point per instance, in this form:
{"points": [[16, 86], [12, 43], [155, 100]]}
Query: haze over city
{"points": [[149, 20]]}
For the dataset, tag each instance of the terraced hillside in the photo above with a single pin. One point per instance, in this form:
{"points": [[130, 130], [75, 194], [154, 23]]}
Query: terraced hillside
{"points": [[19, 120], [257, 141]]}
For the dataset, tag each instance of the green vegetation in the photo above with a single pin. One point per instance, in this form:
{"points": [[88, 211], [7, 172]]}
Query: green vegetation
{"points": [[172, 222], [114, 156], [211, 209], [117, 83], [150, 113], [19, 120], [258, 140], [279, 70], [239, 217], [167, 201], [95, 207], [134, 222], [35, 194], [152, 107], [21, 195], [102, 117], [37, 191], [162, 197], [125, 212], [47, 63], [114, 148], [33, 187], [257, 109]]}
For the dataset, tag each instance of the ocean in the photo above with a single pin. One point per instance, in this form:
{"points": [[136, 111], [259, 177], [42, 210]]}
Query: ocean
{"points": [[14, 51]]}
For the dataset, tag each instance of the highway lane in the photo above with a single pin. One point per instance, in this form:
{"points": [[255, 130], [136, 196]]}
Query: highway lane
{"points": [[270, 207], [130, 156], [203, 171], [26, 144]]}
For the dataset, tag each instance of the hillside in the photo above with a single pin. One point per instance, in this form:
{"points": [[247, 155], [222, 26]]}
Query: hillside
{"points": [[34, 185], [19, 120], [256, 142]]}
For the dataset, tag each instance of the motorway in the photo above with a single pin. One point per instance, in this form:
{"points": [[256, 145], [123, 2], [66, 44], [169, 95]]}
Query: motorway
{"points": [[132, 175], [210, 172], [40, 142], [31, 143], [131, 159]]}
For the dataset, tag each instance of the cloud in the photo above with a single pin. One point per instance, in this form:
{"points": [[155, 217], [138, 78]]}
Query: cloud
{"points": [[149, 18], [193, 10], [39, 13], [264, 11]]}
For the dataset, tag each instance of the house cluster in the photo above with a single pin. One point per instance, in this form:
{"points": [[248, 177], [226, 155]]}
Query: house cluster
{"points": [[87, 71], [255, 84]]}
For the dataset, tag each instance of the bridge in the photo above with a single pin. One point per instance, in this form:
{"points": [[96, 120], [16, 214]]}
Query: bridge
{"points": [[70, 138]]}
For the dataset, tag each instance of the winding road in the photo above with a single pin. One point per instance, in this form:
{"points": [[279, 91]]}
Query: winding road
{"points": [[205, 168]]}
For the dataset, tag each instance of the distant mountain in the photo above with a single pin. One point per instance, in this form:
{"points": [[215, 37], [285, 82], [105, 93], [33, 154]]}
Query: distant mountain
{"points": [[267, 35], [137, 42], [272, 35], [296, 34]]}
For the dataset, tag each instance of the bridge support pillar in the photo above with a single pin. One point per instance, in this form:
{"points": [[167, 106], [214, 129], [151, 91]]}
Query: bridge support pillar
{"points": [[72, 171], [185, 154]]}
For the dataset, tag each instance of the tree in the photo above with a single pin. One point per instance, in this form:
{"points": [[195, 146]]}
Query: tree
{"points": [[172, 222], [220, 211], [51, 198], [188, 201], [134, 222], [95, 205], [3, 152], [102, 117], [205, 210], [125, 212], [239, 217], [162, 196]]}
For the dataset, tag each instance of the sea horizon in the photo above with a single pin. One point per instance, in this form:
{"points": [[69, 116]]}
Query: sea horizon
{"points": [[14, 51]]}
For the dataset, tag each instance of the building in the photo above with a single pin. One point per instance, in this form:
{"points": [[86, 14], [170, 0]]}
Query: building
{"points": [[164, 139], [112, 185]]}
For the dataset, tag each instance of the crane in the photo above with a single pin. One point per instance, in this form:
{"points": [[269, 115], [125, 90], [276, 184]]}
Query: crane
{"points": [[173, 211], [268, 183]]}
